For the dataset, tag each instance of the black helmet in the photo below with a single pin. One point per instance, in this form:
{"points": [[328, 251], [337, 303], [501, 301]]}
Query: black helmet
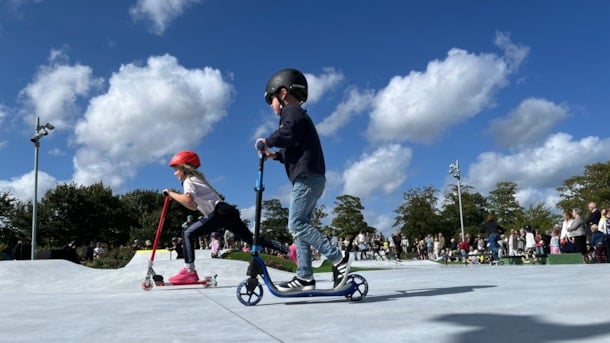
{"points": [[289, 78]]}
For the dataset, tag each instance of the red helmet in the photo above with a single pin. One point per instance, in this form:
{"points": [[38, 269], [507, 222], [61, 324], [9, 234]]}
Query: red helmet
{"points": [[185, 157]]}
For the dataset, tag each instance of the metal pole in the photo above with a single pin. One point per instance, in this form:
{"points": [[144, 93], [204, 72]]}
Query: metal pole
{"points": [[460, 198], [35, 200]]}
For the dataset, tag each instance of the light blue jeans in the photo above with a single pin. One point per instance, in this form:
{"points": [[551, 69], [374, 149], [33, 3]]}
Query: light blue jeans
{"points": [[306, 190]]}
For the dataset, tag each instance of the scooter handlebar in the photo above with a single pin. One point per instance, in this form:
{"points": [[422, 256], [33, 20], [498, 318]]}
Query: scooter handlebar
{"points": [[260, 146]]}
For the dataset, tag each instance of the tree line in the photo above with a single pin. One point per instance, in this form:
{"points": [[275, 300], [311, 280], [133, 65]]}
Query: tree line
{"points": [[72, 212]]}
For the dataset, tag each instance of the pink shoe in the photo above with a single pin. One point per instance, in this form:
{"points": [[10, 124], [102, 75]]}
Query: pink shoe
{"points": [[179, 275], [184, 277]]}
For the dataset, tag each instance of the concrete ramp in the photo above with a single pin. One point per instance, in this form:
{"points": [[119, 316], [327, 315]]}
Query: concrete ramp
{"points": [[58, 301]]}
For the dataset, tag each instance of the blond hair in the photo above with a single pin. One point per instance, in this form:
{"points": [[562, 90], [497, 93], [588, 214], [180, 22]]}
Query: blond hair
{"points": [[190, 171]]}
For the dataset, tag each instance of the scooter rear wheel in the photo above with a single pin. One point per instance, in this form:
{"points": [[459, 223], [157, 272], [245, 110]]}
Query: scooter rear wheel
{"points": [[249, 294], [361, 290]]}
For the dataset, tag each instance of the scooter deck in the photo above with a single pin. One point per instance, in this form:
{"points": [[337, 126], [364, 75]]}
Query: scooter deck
{"points": [[204, 283], [346, 289]]}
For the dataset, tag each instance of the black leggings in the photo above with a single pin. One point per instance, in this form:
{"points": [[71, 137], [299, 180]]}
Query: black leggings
{"points": [[224, 216]]}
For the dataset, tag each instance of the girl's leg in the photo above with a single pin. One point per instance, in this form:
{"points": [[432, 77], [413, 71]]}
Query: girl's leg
{"points": [[230, 220], [229, 216], [191, 232]]}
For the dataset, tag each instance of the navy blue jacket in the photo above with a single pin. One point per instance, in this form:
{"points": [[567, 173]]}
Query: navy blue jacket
{"points": [[297, 137]]}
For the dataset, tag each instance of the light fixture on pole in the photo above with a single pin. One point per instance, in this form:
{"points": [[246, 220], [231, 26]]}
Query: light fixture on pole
{"points": [[39, 132], [454, 169]]}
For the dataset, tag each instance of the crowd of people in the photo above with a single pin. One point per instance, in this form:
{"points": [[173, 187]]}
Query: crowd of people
{"points": [[574, 234]]}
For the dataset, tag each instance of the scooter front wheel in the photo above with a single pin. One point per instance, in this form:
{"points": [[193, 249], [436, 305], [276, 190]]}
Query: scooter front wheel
{"points": [[249, 292], [147, 285], [361, 287]]}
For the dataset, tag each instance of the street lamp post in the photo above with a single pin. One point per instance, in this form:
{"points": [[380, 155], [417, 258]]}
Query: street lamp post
{"points": [[39, 132], [454, 169]]}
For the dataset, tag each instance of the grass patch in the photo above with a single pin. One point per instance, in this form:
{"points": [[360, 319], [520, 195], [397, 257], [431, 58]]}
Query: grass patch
{"points": [[113, 259], [284, 264]]}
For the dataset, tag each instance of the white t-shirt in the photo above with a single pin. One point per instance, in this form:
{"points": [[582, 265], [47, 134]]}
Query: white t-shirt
{"points": [[603, 225], [530, 241], [204, 195], [564, 228]]}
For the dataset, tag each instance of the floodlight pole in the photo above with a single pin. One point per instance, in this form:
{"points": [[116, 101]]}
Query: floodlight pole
{"points": [[36, 141], [39, 132], [455, 170]]}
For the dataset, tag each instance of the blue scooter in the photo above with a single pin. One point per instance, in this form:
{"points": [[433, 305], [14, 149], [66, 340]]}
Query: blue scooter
{"points": [[250, 291]]}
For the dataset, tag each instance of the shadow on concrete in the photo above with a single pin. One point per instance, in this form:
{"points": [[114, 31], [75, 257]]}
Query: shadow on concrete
{"points": [[501, 328], [424, 292]]}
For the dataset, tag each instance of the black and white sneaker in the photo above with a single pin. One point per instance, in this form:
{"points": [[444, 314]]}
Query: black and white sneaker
{"points": [[341, 270], [297, 285]]}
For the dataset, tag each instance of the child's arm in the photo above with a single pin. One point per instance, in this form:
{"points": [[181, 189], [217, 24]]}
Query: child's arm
{"points": [[185, 200]]}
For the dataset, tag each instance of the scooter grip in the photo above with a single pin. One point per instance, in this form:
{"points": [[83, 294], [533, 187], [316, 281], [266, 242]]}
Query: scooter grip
{"points": [[260, 146]]}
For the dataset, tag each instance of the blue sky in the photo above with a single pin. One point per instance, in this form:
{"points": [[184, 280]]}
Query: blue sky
{"points": [[517, 91]]}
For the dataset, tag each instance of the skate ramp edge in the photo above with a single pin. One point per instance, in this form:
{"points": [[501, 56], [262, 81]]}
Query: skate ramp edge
{"points": [[61, 276]]}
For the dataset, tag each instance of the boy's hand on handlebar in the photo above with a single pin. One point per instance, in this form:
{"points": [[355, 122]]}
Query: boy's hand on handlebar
{"points": [[261, 145], [270, 154]]}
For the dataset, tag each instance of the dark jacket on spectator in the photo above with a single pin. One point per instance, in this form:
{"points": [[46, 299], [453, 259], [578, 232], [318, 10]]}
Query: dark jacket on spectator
{"points": [[492, 227], [594, 218]]}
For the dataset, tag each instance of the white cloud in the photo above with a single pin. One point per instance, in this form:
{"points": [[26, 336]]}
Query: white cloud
{"points": [[53, 93], [3, 113], [383, 169], [15, 6], [529, 123], [56, 152], [382, 222], [530, 195], [420, 106], [22, 187], [319, 84], [542, 168], [355, 103], [160, 12], [148, 112], [268, 126], [248, 214], [283, 193], [334, 180], [513, 54]]}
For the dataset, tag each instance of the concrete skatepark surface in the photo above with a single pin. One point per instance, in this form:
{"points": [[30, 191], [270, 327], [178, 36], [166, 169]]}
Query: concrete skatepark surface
{"points": [[410, 301]]}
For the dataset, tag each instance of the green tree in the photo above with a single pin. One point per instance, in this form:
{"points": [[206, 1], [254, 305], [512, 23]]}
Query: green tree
{"points": [[82, 213], [539, 217], [594, 185], [474, 209], [417, 216], [20, 219], [144, 211], [349, 220], [8, 235], [319, 213], [504, 205], [275, 222]]}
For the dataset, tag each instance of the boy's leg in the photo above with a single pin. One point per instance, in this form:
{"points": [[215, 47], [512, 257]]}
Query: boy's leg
{"points": [[306, 191]]}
